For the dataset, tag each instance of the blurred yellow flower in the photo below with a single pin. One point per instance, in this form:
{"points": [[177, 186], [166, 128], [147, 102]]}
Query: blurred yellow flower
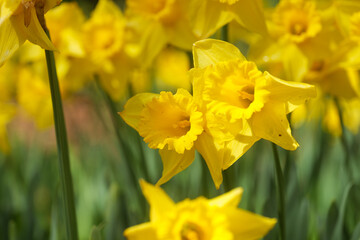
{"points": [[65, 23], [171, 69], [241, 103], [170, 123], [104, 37], [295, 21], [22, 20], [181, 23], [201, 218], [210, 15], [34, 97]]}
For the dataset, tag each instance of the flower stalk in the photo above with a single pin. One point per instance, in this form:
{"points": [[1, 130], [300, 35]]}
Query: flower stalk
{"points": [[281, 192], [62, 145]]}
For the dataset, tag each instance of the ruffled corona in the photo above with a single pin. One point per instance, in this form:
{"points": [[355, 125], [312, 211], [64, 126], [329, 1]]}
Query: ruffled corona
{"points": [[296, 21], [172, 121], [231, 87]]}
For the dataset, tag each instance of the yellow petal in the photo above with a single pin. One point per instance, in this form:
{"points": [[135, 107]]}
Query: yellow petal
{"points": [[172, 66], [106, 7], [34, 32], [295, 63], [341, 83], [210, 51], [236, 148], [49, 4], [271, 124], [7, 8], [160, 202], [210, 151], [249, 13], [247, 225], [10, 41], [181, 35], [133, 108], [291, 92], [146, 39], [174, 162], [207, 17], [140, 232], [229, 199]]}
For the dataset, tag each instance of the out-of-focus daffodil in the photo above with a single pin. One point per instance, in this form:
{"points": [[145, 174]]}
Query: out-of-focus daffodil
{"points": [[210, 15], [201, 218], [181, 23], [104, 42], [34, 97], [171, 69], [170, 123], [241, 103], [22, 20], [65, 23]]}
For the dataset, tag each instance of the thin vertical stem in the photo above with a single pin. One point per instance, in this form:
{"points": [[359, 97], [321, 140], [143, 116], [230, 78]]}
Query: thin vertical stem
{"points": [[344, 141], [62, 145], [281, 192]]}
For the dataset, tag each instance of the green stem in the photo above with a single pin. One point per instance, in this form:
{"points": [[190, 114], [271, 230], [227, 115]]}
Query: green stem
{"points": [[281, 192], [62, 145], [344, 141]]}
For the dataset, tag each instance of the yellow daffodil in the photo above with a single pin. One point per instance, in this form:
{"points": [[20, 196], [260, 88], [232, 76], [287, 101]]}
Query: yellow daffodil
{"points": [[171, 69], [104, 42], [295, 21], [170, 123], [22, 20], [182, 22], [241, 103], [210, 15], [65, 23], [34, 97], [201, 218]]}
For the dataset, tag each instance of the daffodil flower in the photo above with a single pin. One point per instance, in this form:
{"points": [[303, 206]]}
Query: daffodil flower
{"points": [[182, 22], [170, 123], [210, 15], [201, 218], [241, 103], [22, 20]]}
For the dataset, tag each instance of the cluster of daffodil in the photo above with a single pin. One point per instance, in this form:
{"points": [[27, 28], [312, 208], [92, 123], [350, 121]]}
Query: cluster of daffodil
{"points": [[316, 42], [222, 106]]}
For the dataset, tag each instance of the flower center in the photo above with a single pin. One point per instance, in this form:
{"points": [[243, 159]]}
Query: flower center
{"points": [[298, 28], [234, 84], [246, 94], [191, 231], [172, 121], [299, 20]]}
